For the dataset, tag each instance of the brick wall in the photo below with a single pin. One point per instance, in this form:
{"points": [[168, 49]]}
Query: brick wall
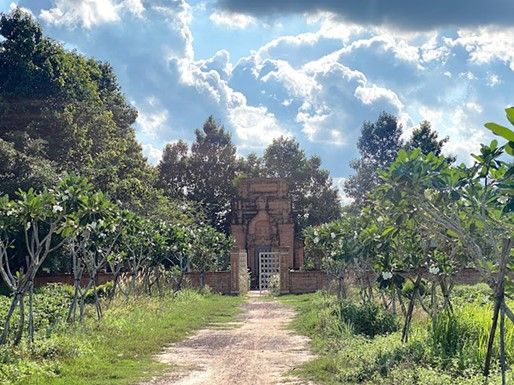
{"points": [[307, 281], [221, 281], [41, 280], [218, 281]]}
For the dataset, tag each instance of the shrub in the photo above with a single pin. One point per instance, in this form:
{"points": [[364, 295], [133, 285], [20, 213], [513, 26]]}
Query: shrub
{"points": [[368, 319], [459, 339], [274, 284], [480, 293]]}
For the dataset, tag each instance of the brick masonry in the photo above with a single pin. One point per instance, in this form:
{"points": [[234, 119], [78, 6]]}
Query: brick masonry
{"points": [[262, 220]]}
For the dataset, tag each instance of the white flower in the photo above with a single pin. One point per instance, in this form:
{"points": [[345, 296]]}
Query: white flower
{"points": [[387, 275], [316, 240], [306, 215], [332, 235], [503, 199], [316, 233], [433, 270], [57, 208], [27, 226]]}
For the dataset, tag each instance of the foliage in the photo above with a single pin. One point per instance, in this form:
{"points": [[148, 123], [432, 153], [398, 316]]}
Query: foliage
{"points": [[426, 139], [378, 146], [344, 357], [205, 175], [62, 112], [209, 173], [82, 225], [118, 349], [315, 199], [368, 318], [432, 219]]}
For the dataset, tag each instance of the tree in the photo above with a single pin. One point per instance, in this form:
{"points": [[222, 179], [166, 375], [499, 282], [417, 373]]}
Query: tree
{"points": [[173, 170], [69, 111], [315, 199], [205, 175], [427, 140], [378, 146]]}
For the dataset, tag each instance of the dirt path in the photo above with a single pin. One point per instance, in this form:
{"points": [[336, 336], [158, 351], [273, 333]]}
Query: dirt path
{"points": [[256, 350]]}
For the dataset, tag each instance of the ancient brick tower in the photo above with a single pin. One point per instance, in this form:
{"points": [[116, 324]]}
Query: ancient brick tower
{"points": [[262, 220]]}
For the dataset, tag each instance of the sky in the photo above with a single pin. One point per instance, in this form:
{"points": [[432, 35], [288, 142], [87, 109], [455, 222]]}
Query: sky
{"points": [[314, 70]]}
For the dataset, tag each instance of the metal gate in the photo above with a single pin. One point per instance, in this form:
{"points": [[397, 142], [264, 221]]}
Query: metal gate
{"points": [[269, 265]]}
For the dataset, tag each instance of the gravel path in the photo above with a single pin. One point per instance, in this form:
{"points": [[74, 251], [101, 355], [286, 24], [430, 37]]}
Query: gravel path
{"points": [[257, 349]]}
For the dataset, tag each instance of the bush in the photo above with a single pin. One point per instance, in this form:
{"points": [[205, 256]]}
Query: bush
{"points": [[480, 293], [459, 339], [274, 284], [368, 319]]}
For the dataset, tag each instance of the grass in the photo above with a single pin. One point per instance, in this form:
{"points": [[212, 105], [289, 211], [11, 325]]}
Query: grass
{"points": [[119, 350], [344, 357]]}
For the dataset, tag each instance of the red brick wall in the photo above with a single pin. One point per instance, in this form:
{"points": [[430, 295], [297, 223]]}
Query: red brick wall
{"points": [[41, 280], [218, 281], [307, 281]]}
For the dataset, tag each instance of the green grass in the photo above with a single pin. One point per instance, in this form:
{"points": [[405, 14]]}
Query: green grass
{"points": [[344, 357], [119, 350]]}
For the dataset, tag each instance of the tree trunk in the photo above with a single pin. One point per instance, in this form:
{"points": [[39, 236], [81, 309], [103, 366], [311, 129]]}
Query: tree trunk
{"points": [[503, 364], [341, 292], [21, 321], [500, 297], [31, 313], [97, 300], [410, 310], [72, 310], [202, 279], [7, 323]]}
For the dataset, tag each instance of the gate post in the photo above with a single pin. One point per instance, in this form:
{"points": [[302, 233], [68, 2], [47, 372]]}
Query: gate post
{"points": [[284, 270], [234, 270]]}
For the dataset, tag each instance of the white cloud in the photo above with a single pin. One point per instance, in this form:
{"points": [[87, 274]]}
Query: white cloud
{"points": [[87, 13], [339, 184], [153, 154], [486, 44], [369, 95], [153, 122], [231, 20], [256, 127], [493, 80], [135, 7]]}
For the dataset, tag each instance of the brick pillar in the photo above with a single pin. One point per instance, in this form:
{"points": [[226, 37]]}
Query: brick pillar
{"points": [[284, 269], [243, 273], [234, 270]]}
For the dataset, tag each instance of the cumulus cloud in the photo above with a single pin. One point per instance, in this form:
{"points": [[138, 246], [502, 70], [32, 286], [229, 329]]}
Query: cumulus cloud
{"points": [[317, 84], [231, 20], [86, 13], [152, 153], [408, 15], [487, 44]]}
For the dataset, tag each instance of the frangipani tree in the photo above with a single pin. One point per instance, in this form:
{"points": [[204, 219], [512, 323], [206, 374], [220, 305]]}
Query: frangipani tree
{"points": [[209, 249], [468, 206], [338, 248], [37, 218]]}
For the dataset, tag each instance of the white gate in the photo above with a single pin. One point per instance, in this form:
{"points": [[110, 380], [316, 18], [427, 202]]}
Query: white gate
{"points": [[269, 265]]}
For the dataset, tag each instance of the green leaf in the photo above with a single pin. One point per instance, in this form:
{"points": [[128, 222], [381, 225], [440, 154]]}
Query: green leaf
{"points": [[510, 114], [455, 195], [501, 131], [509, 148], [388, 230]]}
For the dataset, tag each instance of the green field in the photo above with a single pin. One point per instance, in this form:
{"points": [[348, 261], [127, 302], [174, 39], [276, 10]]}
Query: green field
{"points": [[119, 349]]}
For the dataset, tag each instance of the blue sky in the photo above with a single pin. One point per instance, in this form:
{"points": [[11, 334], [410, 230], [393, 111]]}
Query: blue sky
{"points": [[314, 70]]}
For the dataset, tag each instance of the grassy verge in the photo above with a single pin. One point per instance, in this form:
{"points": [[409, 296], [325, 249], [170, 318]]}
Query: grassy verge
{"points": [[119, 349], [345, 357]]}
